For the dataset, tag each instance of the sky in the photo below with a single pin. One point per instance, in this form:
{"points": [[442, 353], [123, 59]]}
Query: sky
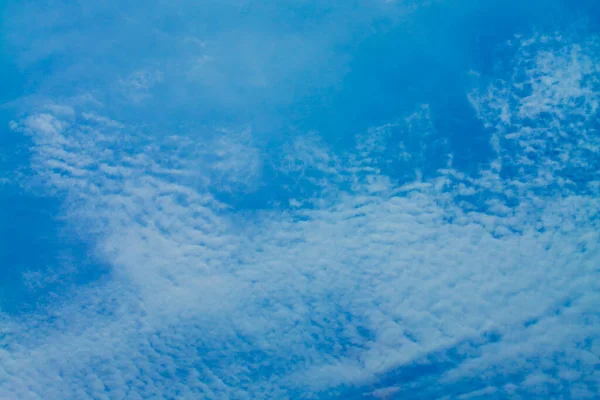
{"points": [[362, 199]]}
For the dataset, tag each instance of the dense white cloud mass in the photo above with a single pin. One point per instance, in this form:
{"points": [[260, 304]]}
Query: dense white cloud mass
{"points": [[417, 285]]}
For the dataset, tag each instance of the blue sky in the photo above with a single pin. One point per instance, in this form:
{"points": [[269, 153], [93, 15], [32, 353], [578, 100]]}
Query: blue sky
{"points": [[310, 200]]}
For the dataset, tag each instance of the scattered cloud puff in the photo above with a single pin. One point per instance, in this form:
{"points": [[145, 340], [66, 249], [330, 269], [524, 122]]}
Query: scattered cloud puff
{"points": [[137, 86], [542, 116]]}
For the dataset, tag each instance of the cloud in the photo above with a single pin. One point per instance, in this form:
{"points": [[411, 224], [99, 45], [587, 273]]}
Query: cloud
{"points": [[492, 276], [138, 84], [542, 115]]}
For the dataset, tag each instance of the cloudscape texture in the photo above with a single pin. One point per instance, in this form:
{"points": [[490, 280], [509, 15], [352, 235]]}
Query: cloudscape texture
{"points": [[300, 200]]}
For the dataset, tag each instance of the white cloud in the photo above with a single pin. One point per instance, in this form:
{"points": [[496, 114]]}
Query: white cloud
{"points": [[138, 85], [542, 115], [205, 302]]}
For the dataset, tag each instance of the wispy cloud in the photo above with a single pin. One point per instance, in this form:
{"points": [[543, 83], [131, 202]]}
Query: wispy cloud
{"points": [[493, 275]]}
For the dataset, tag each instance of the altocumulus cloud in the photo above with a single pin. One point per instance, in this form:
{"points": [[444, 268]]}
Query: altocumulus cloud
{"points": [[355, 283]]}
